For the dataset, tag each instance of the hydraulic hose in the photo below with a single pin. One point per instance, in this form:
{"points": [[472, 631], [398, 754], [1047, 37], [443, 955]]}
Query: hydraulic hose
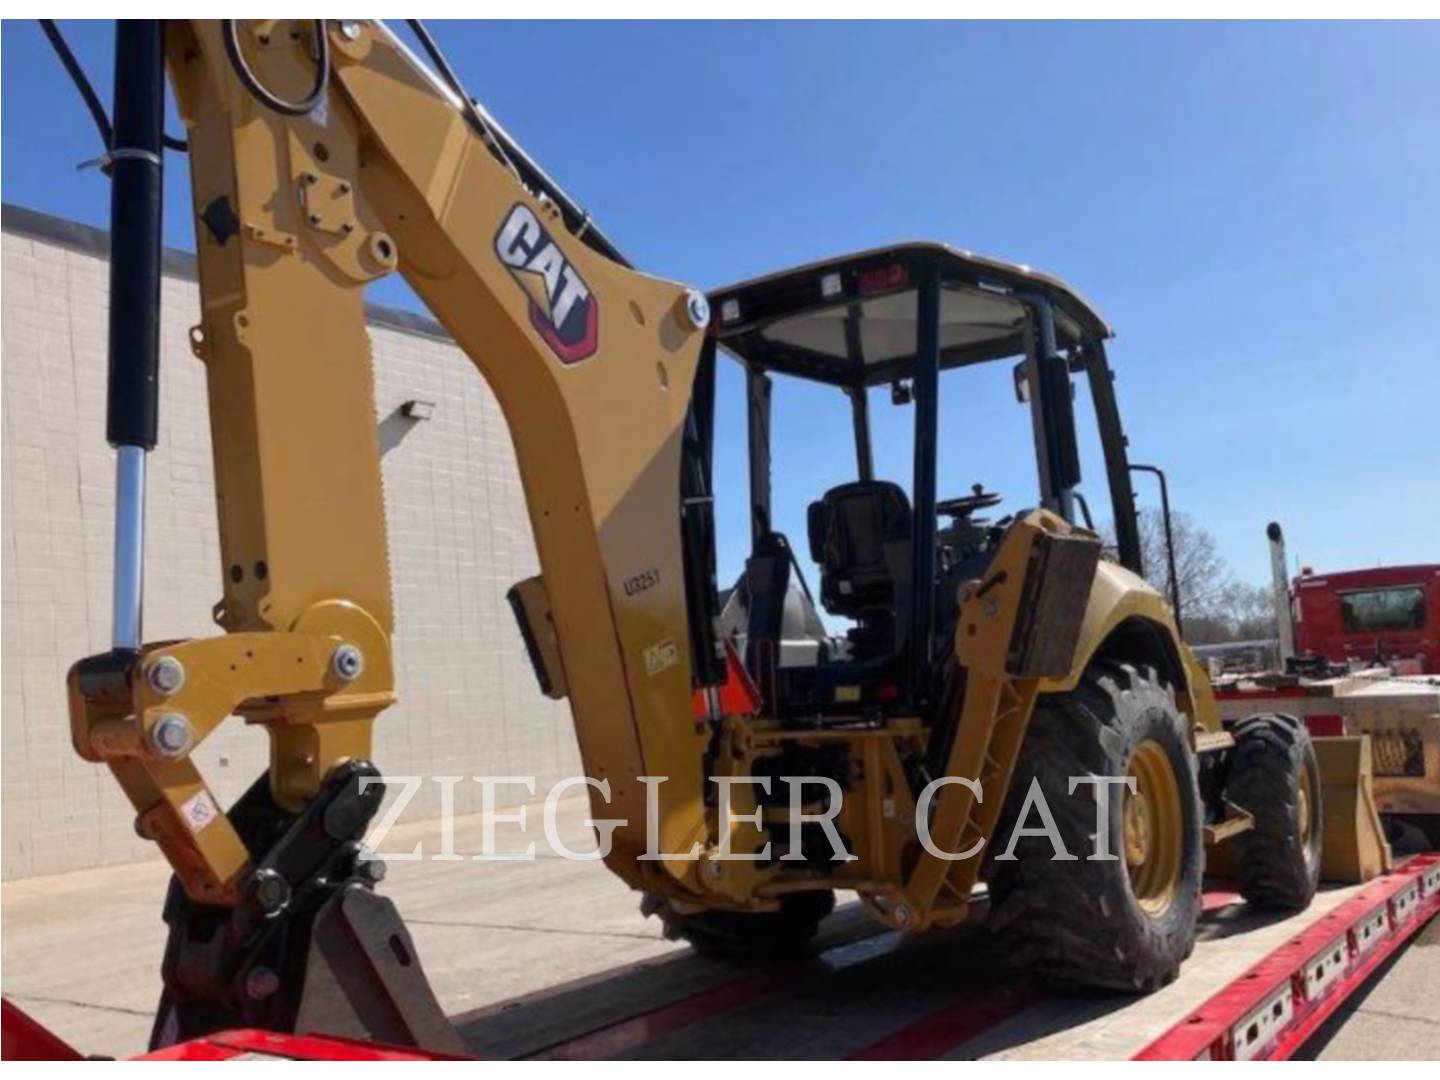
{"points": [[230, 34], [577, 220], [87, 91]]}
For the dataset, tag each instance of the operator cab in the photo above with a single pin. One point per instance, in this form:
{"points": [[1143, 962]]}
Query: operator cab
{"points": [[891, 554]]}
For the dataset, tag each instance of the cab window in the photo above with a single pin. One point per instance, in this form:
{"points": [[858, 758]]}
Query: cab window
{"points": [[1374, 610]]}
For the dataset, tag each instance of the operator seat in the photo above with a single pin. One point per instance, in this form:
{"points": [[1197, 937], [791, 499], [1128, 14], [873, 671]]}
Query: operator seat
{"points": [[860, 536]]}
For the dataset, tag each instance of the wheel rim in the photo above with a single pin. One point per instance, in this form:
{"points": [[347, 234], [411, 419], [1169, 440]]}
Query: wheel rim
{"points": [[1152, 828]]}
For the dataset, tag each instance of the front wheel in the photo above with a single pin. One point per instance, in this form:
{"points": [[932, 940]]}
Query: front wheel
{"points": [[1125, 922], [1274, 774]]}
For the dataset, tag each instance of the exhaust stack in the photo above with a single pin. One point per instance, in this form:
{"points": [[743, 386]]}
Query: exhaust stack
{"points": [[1284, 617]]}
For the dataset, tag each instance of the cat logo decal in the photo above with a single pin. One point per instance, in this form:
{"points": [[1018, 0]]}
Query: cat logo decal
{"points": [[561, 308]]}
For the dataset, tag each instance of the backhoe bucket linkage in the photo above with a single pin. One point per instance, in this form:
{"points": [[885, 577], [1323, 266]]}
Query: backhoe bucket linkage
{"points": [[311, 946]]}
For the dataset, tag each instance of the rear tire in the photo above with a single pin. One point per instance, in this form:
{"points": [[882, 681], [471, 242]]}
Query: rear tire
{"points": [[748, 936], [1124, 923], [1274, 774]]}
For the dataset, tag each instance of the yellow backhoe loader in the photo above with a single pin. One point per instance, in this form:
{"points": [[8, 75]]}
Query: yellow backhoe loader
{"points": [[1001, 692]]}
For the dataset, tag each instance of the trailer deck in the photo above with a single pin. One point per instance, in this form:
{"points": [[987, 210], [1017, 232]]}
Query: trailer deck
{"points": [[881, 996]]}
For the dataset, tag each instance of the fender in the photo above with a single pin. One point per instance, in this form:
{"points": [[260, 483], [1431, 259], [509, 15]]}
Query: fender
{"points": [[1117, 597]]}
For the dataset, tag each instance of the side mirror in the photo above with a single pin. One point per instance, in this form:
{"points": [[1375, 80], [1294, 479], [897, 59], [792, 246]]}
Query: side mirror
{"points": [[1059, 394], [1021, 375]]}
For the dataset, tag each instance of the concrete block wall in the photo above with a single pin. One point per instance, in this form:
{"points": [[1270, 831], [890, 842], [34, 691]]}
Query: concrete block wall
{"points": [[459, 536]]}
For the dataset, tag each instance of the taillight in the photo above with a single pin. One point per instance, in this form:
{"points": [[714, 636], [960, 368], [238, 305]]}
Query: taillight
{"points": [[882, 279]]}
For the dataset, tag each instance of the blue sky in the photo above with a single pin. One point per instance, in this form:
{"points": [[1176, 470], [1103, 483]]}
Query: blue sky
{"points": [[1255, 208]]}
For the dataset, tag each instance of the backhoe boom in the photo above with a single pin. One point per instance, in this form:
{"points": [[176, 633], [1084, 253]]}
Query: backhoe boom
{"points": [[323, 157]]}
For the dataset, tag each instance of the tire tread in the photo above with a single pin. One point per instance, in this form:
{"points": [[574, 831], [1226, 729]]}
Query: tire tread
{"points": [[1271, 867], [1076, 923]]}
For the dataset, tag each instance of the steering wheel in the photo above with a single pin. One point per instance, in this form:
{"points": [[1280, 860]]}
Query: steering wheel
{"points": [[965, 505]]}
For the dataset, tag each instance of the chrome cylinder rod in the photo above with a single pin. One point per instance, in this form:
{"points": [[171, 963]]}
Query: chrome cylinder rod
{"points": [[129, 594]]}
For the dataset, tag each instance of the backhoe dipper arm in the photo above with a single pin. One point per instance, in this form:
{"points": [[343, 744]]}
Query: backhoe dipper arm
{"points": [[324, 156]]}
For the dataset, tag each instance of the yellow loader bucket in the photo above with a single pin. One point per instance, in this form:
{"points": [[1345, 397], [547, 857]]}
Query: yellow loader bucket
{"points": [[1355, 848]]}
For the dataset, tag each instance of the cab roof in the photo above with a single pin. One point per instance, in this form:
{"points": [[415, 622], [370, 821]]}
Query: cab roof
{"points": [[851, 321]]}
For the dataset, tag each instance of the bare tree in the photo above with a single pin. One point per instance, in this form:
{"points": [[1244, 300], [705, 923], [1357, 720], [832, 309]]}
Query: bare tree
{"points": [[1216, 606], [1250, 610], [1203, 574]]}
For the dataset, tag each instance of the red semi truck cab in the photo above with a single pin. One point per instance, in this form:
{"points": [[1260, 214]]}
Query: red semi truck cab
{"points": [[1390, 613]]}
